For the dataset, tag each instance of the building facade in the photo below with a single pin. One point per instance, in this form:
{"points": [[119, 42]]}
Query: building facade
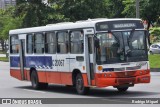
{"points": [[5, 3]]}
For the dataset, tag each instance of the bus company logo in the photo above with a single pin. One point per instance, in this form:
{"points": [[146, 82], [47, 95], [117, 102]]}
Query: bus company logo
{"points": [[21, 101], [6, 101]]}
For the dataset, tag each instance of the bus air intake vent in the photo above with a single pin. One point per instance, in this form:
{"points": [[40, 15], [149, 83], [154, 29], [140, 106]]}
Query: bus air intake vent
{"points": [[133, 68]]}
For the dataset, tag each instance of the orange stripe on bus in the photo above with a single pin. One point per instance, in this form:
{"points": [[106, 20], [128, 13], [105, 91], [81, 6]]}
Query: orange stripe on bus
{"points": [[50, 77], [53, 77], [66, 78], [85, 79], [42, 76]]}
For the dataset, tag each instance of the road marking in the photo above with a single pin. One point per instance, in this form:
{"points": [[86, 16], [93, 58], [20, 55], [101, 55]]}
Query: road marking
{"points": [[34, 91]]}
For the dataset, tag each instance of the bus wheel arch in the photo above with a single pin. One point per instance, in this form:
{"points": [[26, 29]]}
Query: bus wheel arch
{"points": [[78, 82], [35, 80]]}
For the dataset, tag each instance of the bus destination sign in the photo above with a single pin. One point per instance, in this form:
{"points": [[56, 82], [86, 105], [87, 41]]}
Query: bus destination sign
{"points": [[124, 25], [119, 25]]}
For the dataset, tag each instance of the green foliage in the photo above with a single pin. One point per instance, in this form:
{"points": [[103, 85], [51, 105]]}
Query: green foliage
{"points": [[154, 62], [37, 13], [129, 10], [8, 22], [151, 10], [31, 13], [80, 9], [4, 59], [155, 34], [83, 9], [115, 8], [2, 52]]}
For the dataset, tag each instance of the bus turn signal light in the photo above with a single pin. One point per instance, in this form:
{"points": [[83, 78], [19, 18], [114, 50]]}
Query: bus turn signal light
{"points": [[83, 67], [100, 68]]}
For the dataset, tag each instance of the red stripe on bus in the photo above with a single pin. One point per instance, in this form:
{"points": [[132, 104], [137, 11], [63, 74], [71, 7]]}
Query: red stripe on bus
{"points": [[16, 73]]}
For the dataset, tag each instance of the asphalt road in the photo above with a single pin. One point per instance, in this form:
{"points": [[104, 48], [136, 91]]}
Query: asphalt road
{"points": [[13, 88]]}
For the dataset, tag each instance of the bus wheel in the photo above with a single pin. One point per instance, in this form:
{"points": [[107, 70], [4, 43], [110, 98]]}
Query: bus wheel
{"points": [[80, 88], [35, 82], [122, 89]]}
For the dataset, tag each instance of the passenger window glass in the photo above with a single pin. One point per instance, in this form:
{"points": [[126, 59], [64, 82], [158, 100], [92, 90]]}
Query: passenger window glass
{"points": [[77, 42], [63, 40], [14, 48], [39, 43], [30, 43], [50, 43]]}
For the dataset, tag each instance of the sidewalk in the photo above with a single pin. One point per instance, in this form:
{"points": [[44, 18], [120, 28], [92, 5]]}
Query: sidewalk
{"points": [[155, 73], [2, 55]]}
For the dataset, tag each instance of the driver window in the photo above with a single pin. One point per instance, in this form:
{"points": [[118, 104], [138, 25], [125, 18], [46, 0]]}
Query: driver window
{"points": [[108, 46], [138, 40]]}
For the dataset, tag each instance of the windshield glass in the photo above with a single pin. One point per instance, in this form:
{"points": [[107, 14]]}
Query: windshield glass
{"points": [[124, 46]]}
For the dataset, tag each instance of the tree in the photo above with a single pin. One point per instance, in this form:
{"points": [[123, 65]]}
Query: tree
{"points": [[149, 10], [8, 22], [37, 13], [115, 8]]}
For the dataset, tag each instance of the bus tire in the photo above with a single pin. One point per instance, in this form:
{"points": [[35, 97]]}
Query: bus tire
{"points": [[35, 82], [80, 88], [122, 89]]}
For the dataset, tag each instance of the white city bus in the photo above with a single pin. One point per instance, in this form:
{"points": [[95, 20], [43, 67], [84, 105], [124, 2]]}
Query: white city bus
{"points": [[84, 54]]}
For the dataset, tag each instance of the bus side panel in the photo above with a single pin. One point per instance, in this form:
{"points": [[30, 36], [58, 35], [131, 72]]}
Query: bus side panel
{"points": [[42, 76], [27, 74], [66, 78], [39, 63], [85, 79], [53, 77], [15, 67], [16, 73]]}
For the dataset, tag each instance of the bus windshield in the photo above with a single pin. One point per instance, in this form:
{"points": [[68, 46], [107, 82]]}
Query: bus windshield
{"points": [[121, 46]]}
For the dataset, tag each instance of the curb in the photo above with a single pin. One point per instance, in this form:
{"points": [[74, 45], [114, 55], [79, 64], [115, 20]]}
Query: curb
{"points": [[155, 69]]}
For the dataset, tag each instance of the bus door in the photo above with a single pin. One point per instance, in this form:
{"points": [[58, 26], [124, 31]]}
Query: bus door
{"points": [[90, 56], [22, 38]]}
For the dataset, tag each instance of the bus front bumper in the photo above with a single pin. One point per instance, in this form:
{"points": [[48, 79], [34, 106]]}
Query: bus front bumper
{"points": [[109, 81]]}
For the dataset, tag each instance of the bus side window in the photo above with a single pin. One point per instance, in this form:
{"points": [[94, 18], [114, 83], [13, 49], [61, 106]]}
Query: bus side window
{"points": [[30, 40], [14, 47], [76, 42], [63, 39], [50, 43], [39, 43]]}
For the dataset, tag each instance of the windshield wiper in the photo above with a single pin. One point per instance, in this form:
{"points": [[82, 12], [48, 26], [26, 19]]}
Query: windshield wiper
{"points": [[128, 48]]}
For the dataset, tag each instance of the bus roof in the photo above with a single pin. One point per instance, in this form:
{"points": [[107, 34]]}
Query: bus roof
{"points": [[90, 23]]}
